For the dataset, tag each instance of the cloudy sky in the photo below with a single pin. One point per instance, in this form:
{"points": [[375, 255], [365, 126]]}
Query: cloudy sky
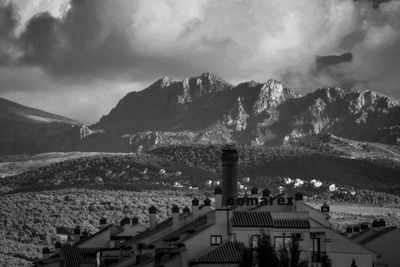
{"points": [[77, 58]]}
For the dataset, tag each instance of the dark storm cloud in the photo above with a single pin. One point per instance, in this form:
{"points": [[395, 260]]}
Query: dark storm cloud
{"points": [[80, 43], [39, 41], [8, 24], [375, 50], [238, 40]]}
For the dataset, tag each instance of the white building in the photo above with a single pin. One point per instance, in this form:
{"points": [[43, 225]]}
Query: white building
{"points": [[202, 236]]}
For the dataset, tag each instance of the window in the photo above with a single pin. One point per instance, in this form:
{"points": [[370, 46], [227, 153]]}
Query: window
{"points": [[215, 240], [254, 241], [316, 245], [316, 253], [281, 241]]}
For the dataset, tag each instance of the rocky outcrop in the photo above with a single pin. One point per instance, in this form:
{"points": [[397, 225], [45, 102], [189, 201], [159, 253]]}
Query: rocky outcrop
{"points": [[357, 115], [196, 87], [272, 93], [85, 131], [237, 117]]}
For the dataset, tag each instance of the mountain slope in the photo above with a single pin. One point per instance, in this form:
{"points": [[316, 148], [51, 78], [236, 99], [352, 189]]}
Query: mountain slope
{"points": [[194, 104], [365, 116], [202, 109], [206, 110], [11, 111], [29, 130]]}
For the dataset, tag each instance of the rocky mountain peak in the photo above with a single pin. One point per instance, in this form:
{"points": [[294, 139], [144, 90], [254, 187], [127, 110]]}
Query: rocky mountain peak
{"points": [[198, 86], [272, 93], [329, 94], [369, 99], [162, 83], [210, 78]]}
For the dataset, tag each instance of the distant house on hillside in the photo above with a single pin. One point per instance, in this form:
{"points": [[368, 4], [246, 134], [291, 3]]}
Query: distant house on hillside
{"points": [[98, 180], [62, 233]]}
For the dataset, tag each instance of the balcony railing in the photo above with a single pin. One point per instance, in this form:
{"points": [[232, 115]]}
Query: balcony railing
{"points": [[317, 256]]}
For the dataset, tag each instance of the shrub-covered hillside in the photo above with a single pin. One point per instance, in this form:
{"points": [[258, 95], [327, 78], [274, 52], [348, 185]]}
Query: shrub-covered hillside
{"points": [[28, 220], [130, 171], [262, 164]]}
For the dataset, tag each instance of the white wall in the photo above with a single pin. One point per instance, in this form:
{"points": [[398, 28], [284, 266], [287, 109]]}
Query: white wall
{"points": [[317, 215], [200, 243]]}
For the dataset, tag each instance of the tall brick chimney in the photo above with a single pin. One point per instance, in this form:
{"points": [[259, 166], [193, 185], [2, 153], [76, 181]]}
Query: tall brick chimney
{"points": [[229, 174], [152, 217]]}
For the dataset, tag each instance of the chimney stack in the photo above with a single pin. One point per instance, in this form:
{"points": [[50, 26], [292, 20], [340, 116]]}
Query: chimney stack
{"points": [[364, 226], [45, 253], [152, 217], [266, 193], [349, 231], [186, 210], [298, 198], [325, 210], [85, 234], [206, 207], [77, 234], [229, 174], [125, 222], [382, 223], [254, 192], [57, 247], [135, 221], [175, 217], [195, 208], [103, 223], [218, 197]]}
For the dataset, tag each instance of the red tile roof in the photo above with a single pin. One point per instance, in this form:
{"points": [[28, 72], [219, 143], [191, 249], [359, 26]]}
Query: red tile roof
{"points": [[252, 219], [74, 256], [264, 219], [227, 253], [292, 223]]}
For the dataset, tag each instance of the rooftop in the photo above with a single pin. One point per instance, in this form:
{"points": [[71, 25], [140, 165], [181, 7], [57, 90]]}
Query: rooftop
{"points": [[161, 226], [105, 229], [189, 229], [377, 235], [74, 256], [252, 219], [227, 253], [264, 219]]}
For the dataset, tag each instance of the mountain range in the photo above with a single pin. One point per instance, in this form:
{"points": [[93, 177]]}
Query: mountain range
{"points": [[206, 110]]}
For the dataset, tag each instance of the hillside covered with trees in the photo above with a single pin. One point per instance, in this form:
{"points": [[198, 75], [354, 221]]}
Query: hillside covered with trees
{"points": [[28, 221]]}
